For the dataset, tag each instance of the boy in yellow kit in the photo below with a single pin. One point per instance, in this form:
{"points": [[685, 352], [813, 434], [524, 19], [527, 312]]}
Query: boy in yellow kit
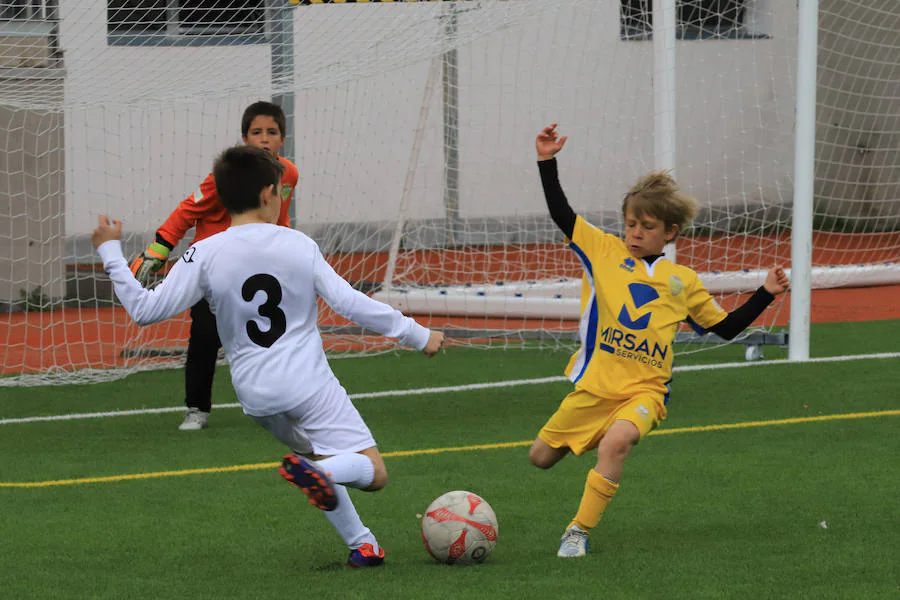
{"points": [[633, 299]]}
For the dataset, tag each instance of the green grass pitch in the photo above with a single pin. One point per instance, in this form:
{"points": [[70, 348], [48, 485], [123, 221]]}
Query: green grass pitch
{"points": [[801, 509]]}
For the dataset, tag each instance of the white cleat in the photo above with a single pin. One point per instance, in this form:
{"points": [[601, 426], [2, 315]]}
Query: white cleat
{"points": [[574, 543], [194, 420]]}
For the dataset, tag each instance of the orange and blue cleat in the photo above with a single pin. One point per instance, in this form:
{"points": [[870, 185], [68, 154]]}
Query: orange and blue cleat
{"points": [[310, 478], [365, 556]]}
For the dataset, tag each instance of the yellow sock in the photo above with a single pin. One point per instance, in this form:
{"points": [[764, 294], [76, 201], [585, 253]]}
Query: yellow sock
{"points": [[598, 491]]}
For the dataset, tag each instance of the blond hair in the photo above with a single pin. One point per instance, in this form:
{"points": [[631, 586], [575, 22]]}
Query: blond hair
{"points": [[657, 194]]}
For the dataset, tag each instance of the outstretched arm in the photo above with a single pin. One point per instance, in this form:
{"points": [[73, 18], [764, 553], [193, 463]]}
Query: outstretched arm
{"points": [[186, 215], [547, 145], [372, 314], [189, 211], [178, 292], [740, 318]]}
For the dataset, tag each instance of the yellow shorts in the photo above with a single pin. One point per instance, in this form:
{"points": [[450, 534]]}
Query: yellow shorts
{"points": [[583, 418]]}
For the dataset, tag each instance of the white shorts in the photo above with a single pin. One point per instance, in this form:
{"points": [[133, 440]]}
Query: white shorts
{"points": [[325, 424]]}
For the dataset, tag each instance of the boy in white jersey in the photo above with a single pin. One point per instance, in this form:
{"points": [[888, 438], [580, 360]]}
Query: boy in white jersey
{"points": [[633, 299], [262, 282]]}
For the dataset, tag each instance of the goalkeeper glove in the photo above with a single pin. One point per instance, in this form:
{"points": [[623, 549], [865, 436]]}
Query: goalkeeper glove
{"points": [[148, 262]]}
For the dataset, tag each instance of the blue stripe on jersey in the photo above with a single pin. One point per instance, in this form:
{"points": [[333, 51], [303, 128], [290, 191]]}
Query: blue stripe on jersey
{"points": [[697, 329], [668, 392], [590, 338]]}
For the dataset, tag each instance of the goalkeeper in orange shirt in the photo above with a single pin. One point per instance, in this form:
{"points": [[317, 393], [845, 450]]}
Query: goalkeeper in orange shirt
{"points": [[262, 126], [633, 299]]}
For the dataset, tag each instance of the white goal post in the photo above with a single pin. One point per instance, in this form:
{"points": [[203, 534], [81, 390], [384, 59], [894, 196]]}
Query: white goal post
{"points": [[560, 299], [413, 124]]}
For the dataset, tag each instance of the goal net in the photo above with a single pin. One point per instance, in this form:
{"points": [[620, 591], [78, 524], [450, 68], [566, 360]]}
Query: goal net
{"points": [[413, 126]]}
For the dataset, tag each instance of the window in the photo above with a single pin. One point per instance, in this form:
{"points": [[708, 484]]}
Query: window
{"points": [[694, 19], [166, 22], [23, 10], [136, 16]]}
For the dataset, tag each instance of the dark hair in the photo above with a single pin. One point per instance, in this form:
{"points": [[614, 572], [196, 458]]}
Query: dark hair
{"points": [[263, 108], [241, 173]]}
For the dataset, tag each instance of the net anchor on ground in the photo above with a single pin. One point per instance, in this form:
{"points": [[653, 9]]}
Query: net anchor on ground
{"points": [[753, 342]]}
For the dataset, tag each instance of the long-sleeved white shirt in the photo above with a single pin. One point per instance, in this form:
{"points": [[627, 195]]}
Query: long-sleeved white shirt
{"points": [[261, 282]]}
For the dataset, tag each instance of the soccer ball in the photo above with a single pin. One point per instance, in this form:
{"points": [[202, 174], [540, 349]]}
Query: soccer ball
{"points": [[459, 528]]}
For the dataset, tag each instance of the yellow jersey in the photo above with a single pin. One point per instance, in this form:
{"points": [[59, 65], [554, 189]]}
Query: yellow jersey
{"points": [[630, 311]]}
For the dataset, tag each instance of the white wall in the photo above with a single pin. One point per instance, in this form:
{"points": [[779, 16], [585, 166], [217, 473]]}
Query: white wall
{"points": [[140, 131], [143, 124]]}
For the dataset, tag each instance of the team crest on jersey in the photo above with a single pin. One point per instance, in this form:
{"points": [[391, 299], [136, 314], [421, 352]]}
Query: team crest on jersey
{"points": [[675, 285], [286, 193], [628, 264]]}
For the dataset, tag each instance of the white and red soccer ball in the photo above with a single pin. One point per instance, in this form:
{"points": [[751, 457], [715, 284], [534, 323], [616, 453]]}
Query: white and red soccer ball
{"points": [[459, 527]]}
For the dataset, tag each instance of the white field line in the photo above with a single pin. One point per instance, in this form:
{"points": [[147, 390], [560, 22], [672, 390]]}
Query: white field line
{"points": [[454, 388]]}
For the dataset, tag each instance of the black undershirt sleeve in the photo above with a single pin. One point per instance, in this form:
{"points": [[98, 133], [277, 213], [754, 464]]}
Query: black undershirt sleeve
{"points": [[161, 240], [560, 211], [741, 317]]}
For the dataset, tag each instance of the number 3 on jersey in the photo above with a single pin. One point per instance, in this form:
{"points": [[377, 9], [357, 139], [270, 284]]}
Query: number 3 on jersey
{"points": [[269, 309]]}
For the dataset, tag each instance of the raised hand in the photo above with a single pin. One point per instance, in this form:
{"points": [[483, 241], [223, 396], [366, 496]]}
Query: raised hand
{"points": [[548, 142], [106, 231], [776, 280]]}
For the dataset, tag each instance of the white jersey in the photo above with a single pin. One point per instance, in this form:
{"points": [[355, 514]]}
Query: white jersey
{"points": [[261, 282]]}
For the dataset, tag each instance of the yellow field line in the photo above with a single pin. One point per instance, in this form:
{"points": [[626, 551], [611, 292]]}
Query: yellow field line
{"points": [[863, 415], [111, 478], [272, 465]]}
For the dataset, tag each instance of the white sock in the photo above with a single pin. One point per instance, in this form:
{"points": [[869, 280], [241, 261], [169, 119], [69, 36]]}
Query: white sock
{"points": [[352, 469], [346, 521]]}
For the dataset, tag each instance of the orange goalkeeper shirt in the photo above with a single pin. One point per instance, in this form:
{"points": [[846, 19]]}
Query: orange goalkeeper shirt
{"points": [[203, 211]]}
